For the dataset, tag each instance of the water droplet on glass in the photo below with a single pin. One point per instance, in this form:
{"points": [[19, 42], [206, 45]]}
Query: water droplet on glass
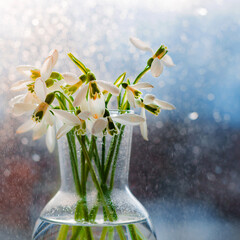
{"points": [[193, 115]]}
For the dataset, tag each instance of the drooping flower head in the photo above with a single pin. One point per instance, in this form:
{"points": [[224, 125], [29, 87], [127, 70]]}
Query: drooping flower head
{"points": [[158, 59]]}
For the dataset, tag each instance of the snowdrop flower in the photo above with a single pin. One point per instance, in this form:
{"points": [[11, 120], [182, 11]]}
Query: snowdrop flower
{"points": [[158, 59], [132, 91], [154, 106], [70, 120], [32, 73], [151, 99], [42, 120], [90, 97], [27, 98], [107, 122], [73, 82]]}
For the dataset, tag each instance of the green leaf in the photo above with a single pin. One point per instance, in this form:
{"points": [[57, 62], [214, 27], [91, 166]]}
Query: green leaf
{"points": [[78, 63], [120, 79]]}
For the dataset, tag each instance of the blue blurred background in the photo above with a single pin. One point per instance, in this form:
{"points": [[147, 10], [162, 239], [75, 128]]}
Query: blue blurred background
{"points": [[189, 177]]}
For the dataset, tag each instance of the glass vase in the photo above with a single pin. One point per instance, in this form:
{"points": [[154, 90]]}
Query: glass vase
{"points": [[94, 201]]}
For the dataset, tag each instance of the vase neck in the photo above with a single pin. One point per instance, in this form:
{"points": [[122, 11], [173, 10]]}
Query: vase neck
{"points": [[109, 157]]}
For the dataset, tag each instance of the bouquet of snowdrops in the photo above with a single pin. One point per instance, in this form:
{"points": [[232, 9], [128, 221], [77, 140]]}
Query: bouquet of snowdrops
{"points": [[80, 103]]}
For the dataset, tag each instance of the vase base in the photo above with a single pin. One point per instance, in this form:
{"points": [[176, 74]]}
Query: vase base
{"points": [[55, 231]]}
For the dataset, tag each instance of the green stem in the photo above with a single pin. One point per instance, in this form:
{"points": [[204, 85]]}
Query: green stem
{"points": [[109, 158], [73, 158], [69, 101], [132, 231], [117, 83], [95, 181], [62, 234], [88, 232], [110, 233], [61, 102], [103, 151], [139, 234], [141, 74], [83, 178], [104, 233], [116, 157], [120, 232], [76, 231], [96, 157]]}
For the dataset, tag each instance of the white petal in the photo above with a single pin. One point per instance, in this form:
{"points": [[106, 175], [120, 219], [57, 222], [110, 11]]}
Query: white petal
{"points": [[84, 115], [66, 117], [128, 119], [21, 108], [89, 124], [40, 89], [142, 85], [27, 126], [109, 87], [49, 118], [56, 87], [20, 85], [156, 67], [81, 95], [25, 69], [70, 78], [50, 138], [148, 99], [96, 107], [39, 130], [54, 54], [164, 105], [17, 99], [99, 125], [140, 44], [84, 106], [31, 98], [46, 68], [143, 126], [63, 130], [167, 60], [131, 98]]}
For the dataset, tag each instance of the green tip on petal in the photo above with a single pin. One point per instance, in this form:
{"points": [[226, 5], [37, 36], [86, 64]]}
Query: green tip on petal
{"points": [[111, 127], [153, 108], [161, 52]]}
